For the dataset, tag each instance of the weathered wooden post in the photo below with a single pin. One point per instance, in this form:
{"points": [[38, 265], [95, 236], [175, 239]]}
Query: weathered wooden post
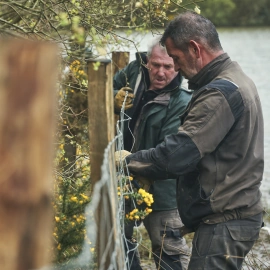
{"points": [[100, 104], [119, 60], [28, 72], [101, 132]]}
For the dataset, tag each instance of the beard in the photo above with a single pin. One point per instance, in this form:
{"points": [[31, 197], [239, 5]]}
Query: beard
{"points": [[191, 67]]}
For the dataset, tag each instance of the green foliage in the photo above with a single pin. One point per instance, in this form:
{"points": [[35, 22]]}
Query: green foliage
{"points": [[237, 12], [251, 13], [72, 177], [70, 200], [214, 10]]}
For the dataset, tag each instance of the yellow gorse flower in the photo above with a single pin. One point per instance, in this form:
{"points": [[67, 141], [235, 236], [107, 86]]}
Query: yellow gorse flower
{"points": [[84, 196], [74, 199], [142, 198], [57, 219], [61, 146]]}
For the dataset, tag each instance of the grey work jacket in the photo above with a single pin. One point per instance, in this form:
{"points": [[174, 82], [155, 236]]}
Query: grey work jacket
{"points": [[217, 153]]}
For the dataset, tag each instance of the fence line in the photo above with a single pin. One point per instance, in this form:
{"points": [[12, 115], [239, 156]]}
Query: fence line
{"points": [[109, 178]]}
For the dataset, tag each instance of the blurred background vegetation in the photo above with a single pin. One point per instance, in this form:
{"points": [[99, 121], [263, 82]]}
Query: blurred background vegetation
{"points": [[235, 13], [78, 27]]}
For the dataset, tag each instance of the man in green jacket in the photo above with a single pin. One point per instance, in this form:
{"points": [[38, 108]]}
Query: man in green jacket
{"points": [[154, 103]]}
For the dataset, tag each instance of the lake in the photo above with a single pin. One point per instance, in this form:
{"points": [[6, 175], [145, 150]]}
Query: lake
{"points": [[250, 47]]}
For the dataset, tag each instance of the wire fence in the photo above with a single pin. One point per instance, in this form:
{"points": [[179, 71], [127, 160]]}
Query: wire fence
{"points": [[110, 191], [109, 202]]}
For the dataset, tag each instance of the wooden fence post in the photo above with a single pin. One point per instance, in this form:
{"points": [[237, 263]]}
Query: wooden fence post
{"points": [[28, 72], [101, 132], [119, 60], [100, 104]]}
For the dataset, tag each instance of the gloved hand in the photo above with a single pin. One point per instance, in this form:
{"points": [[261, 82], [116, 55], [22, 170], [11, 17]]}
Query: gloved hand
{"points": [[120, 156], [120, 97], [143, 182], [139, 181]]}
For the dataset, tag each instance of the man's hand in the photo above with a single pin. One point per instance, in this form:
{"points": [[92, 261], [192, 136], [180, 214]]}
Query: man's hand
{"points": [[139, 181], [143, 182], [120, 157], [120, 97]]}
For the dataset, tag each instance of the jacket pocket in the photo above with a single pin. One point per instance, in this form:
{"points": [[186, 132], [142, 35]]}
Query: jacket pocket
{"points": [[243, 233], [173, 243]]}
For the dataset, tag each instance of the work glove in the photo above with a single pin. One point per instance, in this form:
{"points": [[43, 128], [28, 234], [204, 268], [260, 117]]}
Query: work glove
{"points": [[138, 181], [143, 182], [120, 97], [120, 157]]}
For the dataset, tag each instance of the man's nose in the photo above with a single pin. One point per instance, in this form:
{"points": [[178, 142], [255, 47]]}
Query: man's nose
{"points": [[161, 70]]}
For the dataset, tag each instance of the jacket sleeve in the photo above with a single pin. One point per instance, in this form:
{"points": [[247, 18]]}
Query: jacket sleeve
{"points": [[120, 80], [125, 77], [207, 123]]}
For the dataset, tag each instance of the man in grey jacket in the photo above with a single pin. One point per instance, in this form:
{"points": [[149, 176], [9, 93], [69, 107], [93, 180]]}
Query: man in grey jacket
{"points": [[155, 112], [217, 153]]}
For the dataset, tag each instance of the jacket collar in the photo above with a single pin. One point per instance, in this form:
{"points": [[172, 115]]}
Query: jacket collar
{"points": [[209, 72], [174, 84], [141, 58]]}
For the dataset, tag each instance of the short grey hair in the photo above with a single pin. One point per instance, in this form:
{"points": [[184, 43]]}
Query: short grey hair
{"points": [[153, 43]]}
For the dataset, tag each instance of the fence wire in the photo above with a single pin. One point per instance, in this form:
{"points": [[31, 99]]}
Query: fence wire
{"points": [[108, 203]]}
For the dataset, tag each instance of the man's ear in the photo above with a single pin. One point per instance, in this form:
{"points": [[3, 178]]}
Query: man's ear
{"points": [[195, 48]]}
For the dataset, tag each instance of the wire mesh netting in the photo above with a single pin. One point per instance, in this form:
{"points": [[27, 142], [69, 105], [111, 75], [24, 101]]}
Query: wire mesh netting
{"points": [[107, 213]]}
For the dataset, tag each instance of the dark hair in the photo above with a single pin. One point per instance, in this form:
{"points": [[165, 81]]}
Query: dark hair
{"points": [[192, 26]]}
